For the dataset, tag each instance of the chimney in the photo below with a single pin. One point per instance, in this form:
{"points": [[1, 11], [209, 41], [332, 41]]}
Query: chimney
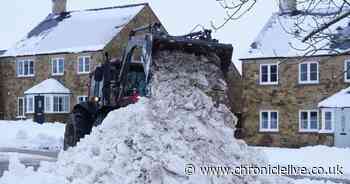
{"points": [[59, 6], [288, 7]]}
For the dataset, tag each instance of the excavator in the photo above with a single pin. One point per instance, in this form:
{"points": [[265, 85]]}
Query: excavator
{"points": [[119, 83]]}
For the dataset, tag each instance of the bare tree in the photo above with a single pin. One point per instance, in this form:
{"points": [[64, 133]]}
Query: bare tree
{"points": [[334, 10]]}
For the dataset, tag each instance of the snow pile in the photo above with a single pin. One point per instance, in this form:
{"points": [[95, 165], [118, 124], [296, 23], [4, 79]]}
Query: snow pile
{"points": [[152, 141], [30, 135]]}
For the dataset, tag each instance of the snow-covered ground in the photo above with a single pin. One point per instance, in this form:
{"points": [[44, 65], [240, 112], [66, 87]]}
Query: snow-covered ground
{"points": [[29, 135], [313, 156]]}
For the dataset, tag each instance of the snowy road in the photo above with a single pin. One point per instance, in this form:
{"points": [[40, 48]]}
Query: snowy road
{"points": [[30, 158]]}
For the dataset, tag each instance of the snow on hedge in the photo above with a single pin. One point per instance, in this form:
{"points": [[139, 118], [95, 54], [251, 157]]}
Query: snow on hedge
{"points": [[153, 140], [30, 135]]}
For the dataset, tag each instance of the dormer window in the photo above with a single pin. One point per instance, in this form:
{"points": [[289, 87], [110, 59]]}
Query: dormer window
{"points": [[269, 74], [308, 73]]}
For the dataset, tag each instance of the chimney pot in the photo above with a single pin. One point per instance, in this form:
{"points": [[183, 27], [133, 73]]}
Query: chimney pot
{"points": [[59, 6]]}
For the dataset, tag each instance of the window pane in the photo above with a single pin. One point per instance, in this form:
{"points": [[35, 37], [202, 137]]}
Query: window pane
{"points": [[81, 65], [30, 103], [26, 68], [303, 120], [348, 70], [47, 104], [55, 104], [313, 71], [61, 66], [328, 120], [273, 70], [313, 120], [66, 104], [20, 107], [264, 73], [54, 66], [87, 64], [264, 120], [274, 120], [31, 67], [303, 72]]}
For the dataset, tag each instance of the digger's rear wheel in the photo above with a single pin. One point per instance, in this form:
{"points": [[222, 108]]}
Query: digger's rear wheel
{"points": [[80, 126]]}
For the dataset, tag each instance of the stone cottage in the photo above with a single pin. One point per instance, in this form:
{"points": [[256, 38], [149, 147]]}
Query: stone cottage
{"points": [[53, 62], [283, 85]]}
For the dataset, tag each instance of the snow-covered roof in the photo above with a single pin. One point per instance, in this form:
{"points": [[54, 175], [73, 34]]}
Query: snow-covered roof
{"points": [[2, 52], [75, 31], [338, 100], [283, 34], [48, 86]]}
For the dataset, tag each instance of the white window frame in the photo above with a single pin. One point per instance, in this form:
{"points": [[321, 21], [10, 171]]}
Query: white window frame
{"points": [[323, 128], [346, 70], [268, 74], [57, 60], [82, 96], [309, 81], [51, 109], [84, 65], [269, 129], [22, 63], [30, 109], [309, 121], [23, 106]]}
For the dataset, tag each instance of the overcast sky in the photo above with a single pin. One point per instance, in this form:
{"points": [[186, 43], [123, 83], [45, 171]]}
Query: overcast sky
{"points": [[178, 16]]}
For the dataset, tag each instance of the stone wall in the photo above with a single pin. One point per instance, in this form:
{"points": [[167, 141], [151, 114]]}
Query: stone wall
{"points": [[288, 97]]}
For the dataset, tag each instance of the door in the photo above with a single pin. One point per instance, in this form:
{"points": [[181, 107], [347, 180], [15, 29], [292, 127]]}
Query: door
{"points": [[39, 116], [342, 134]]}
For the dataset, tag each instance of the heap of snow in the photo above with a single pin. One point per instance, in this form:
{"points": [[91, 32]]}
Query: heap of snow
{"points": [[338, 100], [48, 86], [283, 34], [30, 135], [184, 122], [76, 31]]}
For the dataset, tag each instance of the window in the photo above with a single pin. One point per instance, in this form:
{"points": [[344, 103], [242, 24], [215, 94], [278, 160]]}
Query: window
{"points": [[308, 121], [30, 104], [308, 73], [82, 99], [58, 66], [25, 68], [269, 121], [347, 71], [327, 121], [268, 74], [20, 107], [84, 64], [60, 104]]}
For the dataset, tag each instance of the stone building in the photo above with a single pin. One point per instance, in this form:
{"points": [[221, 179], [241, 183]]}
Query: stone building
{"points": [[55, 59], [283, 85]]}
